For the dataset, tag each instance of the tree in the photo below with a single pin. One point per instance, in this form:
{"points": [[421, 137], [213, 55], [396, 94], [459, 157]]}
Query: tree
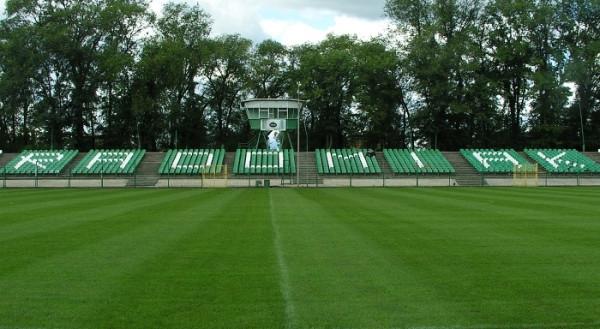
{"points": [[580, 37], [168, 89], [225, 78], [327, 76], [268, 75], [83, 44]]}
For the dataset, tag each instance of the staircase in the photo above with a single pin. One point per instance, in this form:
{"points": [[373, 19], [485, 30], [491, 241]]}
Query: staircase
{"points": [[386, 170], [541, 169], [228, 161], [71, 165], [5, 158], [308, 169], [466, 175], [593, 155], [146, 174]]}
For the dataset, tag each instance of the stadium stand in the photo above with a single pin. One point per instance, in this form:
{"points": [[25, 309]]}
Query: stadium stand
{"points": [[346, 161], [563, 161], [41, 162], [264, 162], [493, 161], [421, 161], [192, 162], [116, 162]]}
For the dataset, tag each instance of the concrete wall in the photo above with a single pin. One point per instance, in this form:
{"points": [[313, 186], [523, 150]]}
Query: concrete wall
{"points": [[64, 183], [388, 182], [277, 182]]}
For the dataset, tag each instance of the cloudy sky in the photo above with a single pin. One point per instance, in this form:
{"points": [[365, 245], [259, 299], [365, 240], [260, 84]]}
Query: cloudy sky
{"points": [[291, 21]]}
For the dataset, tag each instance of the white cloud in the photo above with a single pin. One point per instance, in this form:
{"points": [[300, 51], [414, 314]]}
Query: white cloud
{"points": [[297, 32], [245, 17], [292, 33], [364, 29]]}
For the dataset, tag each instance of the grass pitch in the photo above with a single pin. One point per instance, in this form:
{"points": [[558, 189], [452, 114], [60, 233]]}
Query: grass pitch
{"points": [[285, 258]]}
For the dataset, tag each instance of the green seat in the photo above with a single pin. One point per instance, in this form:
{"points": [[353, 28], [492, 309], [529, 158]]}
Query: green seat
{"points": [[192, 162], [264, 162], [419, 161], [494, 161], [40, 162], [113, 162], [346, 162], [563, 161]]}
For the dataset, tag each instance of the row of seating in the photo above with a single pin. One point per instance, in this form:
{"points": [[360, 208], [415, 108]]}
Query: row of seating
{"points": [[494, 161], [346, 161], [266, 162], [31, 162], [563, 161], [420, 161], [192, 162], [112, 162]]}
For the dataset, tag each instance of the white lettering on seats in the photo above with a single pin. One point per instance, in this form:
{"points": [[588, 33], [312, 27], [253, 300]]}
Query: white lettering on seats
{"points": [[552, 161], [361, 156], [176, 162], [111, 157], [417, 160], [269, 156], [497, 157], [329, 160], [39, 158], [127, 159]]}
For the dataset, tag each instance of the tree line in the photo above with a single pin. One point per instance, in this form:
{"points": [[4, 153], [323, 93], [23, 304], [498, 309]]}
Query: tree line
{"points": [[450, 74]]}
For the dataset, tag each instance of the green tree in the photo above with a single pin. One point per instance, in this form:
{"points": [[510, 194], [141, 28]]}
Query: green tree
{"points": [[224, 78], [269, 68], [168, 91]]}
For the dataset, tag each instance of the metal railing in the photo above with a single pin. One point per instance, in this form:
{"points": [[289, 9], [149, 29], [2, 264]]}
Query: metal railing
{"points": [[306, 180]]}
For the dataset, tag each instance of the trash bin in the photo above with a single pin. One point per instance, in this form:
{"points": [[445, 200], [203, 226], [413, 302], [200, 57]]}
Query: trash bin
{"points": [[267, 183]]}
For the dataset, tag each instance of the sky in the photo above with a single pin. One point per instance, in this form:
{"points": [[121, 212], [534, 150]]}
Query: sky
{"points": [[290, 22], [293, 22]]}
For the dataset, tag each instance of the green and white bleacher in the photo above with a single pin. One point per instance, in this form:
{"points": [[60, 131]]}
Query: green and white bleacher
{"points": [[40, 162], [563, 161], [115, 162], [420, 161], [346, 162], [494, 161], [192, 162], [264, 162]]}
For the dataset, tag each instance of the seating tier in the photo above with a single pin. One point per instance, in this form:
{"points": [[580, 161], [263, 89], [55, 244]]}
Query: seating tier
{"points": [[493, 161], [40, 162], [420, 161], [264, 162], [192, 162], [563, 161], [113, 162], [346, 161]]}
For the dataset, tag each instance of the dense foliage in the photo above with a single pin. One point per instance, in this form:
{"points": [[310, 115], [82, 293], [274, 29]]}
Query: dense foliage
{"points": [[453, 73]]}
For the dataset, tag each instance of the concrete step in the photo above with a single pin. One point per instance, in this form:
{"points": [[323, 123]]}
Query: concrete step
{"points": [[593, 155], [150, 164], [541, 169], [466, 175], [383, 164], [5, 158], [71, 165]]}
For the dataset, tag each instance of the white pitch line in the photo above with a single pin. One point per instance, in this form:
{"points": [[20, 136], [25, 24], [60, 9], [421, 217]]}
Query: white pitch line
{"points": [[284, 282], [518, 326]]}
